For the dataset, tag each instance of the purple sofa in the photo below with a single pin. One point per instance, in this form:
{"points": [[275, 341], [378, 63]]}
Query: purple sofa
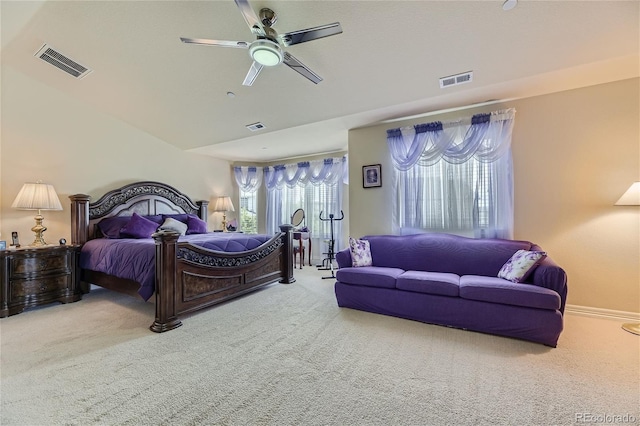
{"points": [[451, 280]]}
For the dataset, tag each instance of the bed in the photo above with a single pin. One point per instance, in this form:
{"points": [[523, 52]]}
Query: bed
{"points": [[185, 276]]}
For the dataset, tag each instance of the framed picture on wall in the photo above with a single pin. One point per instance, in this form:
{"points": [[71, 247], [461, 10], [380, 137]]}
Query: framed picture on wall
{"points": [[371, 176]]}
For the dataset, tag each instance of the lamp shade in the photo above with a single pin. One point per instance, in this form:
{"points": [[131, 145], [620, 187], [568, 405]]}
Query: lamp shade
{"points": [[631, 197], [224, 204], [37, 196]]}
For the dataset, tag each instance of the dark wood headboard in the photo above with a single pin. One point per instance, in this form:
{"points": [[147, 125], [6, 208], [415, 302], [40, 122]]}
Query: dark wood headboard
{"points": [[143, 198]]}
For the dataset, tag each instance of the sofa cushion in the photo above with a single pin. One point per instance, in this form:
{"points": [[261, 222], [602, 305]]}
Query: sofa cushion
{"points": [[369, 276], [520, 265], [441, 283], [499, 290]]}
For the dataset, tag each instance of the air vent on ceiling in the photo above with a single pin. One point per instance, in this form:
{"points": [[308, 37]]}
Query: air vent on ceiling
{"points": [[61, 61], [454, 80], [255, 126]]}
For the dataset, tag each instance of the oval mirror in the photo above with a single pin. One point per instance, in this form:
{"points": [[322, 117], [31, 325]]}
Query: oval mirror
{"points": [[297, 217]]}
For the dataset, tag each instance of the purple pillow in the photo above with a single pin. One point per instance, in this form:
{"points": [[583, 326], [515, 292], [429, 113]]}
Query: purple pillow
{"points": [[179, 217], [110, 227], [157, 218], [196, 225], [139, 227]]}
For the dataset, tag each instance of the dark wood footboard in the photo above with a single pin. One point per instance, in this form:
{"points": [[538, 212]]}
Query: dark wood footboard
{"points": [[190, 278]]}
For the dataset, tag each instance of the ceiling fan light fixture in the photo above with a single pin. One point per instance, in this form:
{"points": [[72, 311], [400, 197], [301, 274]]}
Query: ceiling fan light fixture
{"points": [[266, 52]]}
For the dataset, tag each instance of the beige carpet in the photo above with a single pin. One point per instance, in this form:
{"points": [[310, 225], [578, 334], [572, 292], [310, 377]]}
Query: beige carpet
{"points": [[287, 355]]}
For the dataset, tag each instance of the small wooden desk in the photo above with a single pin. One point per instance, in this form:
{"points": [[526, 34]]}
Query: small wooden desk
{"points": [[301, 236]]}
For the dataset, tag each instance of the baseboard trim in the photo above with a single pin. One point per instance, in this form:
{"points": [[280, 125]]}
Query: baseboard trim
{"points": [[602, 313]]}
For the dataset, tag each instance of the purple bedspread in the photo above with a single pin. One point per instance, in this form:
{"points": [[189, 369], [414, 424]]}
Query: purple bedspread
{"points": [[135, 259]]}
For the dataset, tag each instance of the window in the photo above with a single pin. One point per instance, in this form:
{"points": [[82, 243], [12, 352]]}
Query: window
{"points": [[314, 187], [249, 212], [454, 198], [248, 180], [455, 178], [313, 199]]}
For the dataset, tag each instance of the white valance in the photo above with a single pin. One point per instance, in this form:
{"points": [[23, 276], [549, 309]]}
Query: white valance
{"points": [[486, 138], [326, 172], [248, 178]]}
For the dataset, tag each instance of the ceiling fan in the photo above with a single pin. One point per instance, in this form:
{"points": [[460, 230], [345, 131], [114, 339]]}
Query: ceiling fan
{"points": [[266, 50]]}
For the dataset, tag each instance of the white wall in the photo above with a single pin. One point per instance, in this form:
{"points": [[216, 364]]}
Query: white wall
{"points": [[49, 136], [575, 153]]}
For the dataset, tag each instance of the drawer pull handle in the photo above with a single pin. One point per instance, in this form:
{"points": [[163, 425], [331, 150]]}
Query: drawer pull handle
{"points": [[43, 287]]}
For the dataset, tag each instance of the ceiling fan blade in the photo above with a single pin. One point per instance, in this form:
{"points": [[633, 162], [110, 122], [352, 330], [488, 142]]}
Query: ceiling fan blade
{"points": [[250, 17], [252, 74], [301, 68], [223, 43], [301, 36]]}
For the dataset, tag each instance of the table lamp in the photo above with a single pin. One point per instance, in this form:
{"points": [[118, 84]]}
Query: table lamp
{"points": [[224, 205], [37, 196], [631, 198]]}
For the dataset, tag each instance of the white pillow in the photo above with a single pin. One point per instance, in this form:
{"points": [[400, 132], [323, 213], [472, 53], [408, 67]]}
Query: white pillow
{"points": [[171, 224], [521, 264]]}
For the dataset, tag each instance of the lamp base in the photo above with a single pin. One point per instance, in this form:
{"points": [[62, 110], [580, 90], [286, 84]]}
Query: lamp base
{"points": [[38, 230], [224, 223], [632, 327]]}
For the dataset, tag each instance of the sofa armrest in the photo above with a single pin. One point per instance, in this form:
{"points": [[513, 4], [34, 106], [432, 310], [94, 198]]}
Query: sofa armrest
{"points": [[343, 258], [549, 275]]}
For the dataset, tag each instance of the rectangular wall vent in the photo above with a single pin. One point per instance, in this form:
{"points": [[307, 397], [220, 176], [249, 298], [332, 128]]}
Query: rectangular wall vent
{"points": [[255, 126], [454, 80], [61, 61]]}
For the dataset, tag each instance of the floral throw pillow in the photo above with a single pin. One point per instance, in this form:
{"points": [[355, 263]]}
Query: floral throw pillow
{"points": [[521, 264], [360, 252]]}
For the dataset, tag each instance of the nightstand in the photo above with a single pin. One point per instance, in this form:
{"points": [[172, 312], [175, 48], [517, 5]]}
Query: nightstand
{"points": [[37, 276]]}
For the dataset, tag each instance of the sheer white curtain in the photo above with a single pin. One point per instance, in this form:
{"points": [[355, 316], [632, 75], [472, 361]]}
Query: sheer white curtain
{"points": [[314, 186], [455, 177], [249, 180]]}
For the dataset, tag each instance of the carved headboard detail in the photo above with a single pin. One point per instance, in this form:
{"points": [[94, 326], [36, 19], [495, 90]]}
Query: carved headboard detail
{"points": [[144, 198]]}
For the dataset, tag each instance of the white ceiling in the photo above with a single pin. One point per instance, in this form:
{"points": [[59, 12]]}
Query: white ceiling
{"points": [[385, 65]]}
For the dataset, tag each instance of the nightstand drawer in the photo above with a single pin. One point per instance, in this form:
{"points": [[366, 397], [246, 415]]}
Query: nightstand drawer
{"points": [[22, 266], [36, 276], [40, 286]]}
